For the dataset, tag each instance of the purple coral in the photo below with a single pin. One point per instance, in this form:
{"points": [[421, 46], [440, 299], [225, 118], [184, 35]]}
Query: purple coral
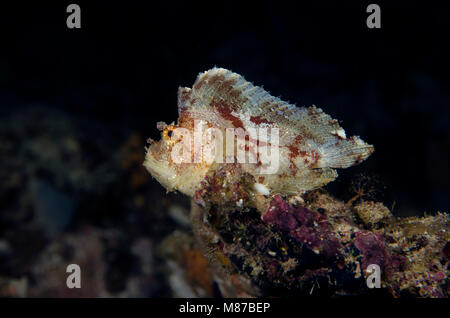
{"points": [[306, 226], [293, 247], [280, 214], [372, 248]]}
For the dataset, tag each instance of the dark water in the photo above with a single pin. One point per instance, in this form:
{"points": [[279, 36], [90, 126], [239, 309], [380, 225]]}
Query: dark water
{"points": [[77, 105]]}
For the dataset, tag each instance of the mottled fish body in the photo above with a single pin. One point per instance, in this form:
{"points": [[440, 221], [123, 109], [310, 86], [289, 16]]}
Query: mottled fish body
{"points": [[310, 144]]}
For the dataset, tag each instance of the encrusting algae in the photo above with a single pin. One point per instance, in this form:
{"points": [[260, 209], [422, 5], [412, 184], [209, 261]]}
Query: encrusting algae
{"points": [[253, 166]]}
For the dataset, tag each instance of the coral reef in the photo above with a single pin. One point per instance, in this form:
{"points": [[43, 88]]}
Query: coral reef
{"points": [[277, 233], [316, 245]]}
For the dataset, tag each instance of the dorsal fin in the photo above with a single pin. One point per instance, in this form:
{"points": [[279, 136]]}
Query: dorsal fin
{"points": [[241, 104]]}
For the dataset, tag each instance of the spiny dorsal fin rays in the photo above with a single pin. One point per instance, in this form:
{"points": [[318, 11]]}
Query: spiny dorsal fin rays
{"points": [[300, 127], [245, 98]]}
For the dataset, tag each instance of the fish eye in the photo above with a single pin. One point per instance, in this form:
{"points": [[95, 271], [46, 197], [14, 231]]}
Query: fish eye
{"points": [[168, 132]]}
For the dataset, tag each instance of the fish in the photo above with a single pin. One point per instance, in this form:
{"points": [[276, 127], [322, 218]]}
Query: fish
{"points": [[287, 150]]}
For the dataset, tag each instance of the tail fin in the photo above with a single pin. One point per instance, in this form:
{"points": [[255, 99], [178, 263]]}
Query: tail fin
{"points": [[344, 153]]}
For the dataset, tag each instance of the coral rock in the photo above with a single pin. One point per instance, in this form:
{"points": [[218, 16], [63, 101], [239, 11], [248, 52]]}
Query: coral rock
{"points": [[371, 212]]}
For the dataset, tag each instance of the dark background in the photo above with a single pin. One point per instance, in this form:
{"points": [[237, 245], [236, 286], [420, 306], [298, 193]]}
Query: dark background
{"points": [[118, 75]]}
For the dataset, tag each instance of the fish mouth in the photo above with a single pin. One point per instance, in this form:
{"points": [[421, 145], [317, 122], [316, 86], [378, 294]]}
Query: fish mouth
{"points": [[160, 169]]}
